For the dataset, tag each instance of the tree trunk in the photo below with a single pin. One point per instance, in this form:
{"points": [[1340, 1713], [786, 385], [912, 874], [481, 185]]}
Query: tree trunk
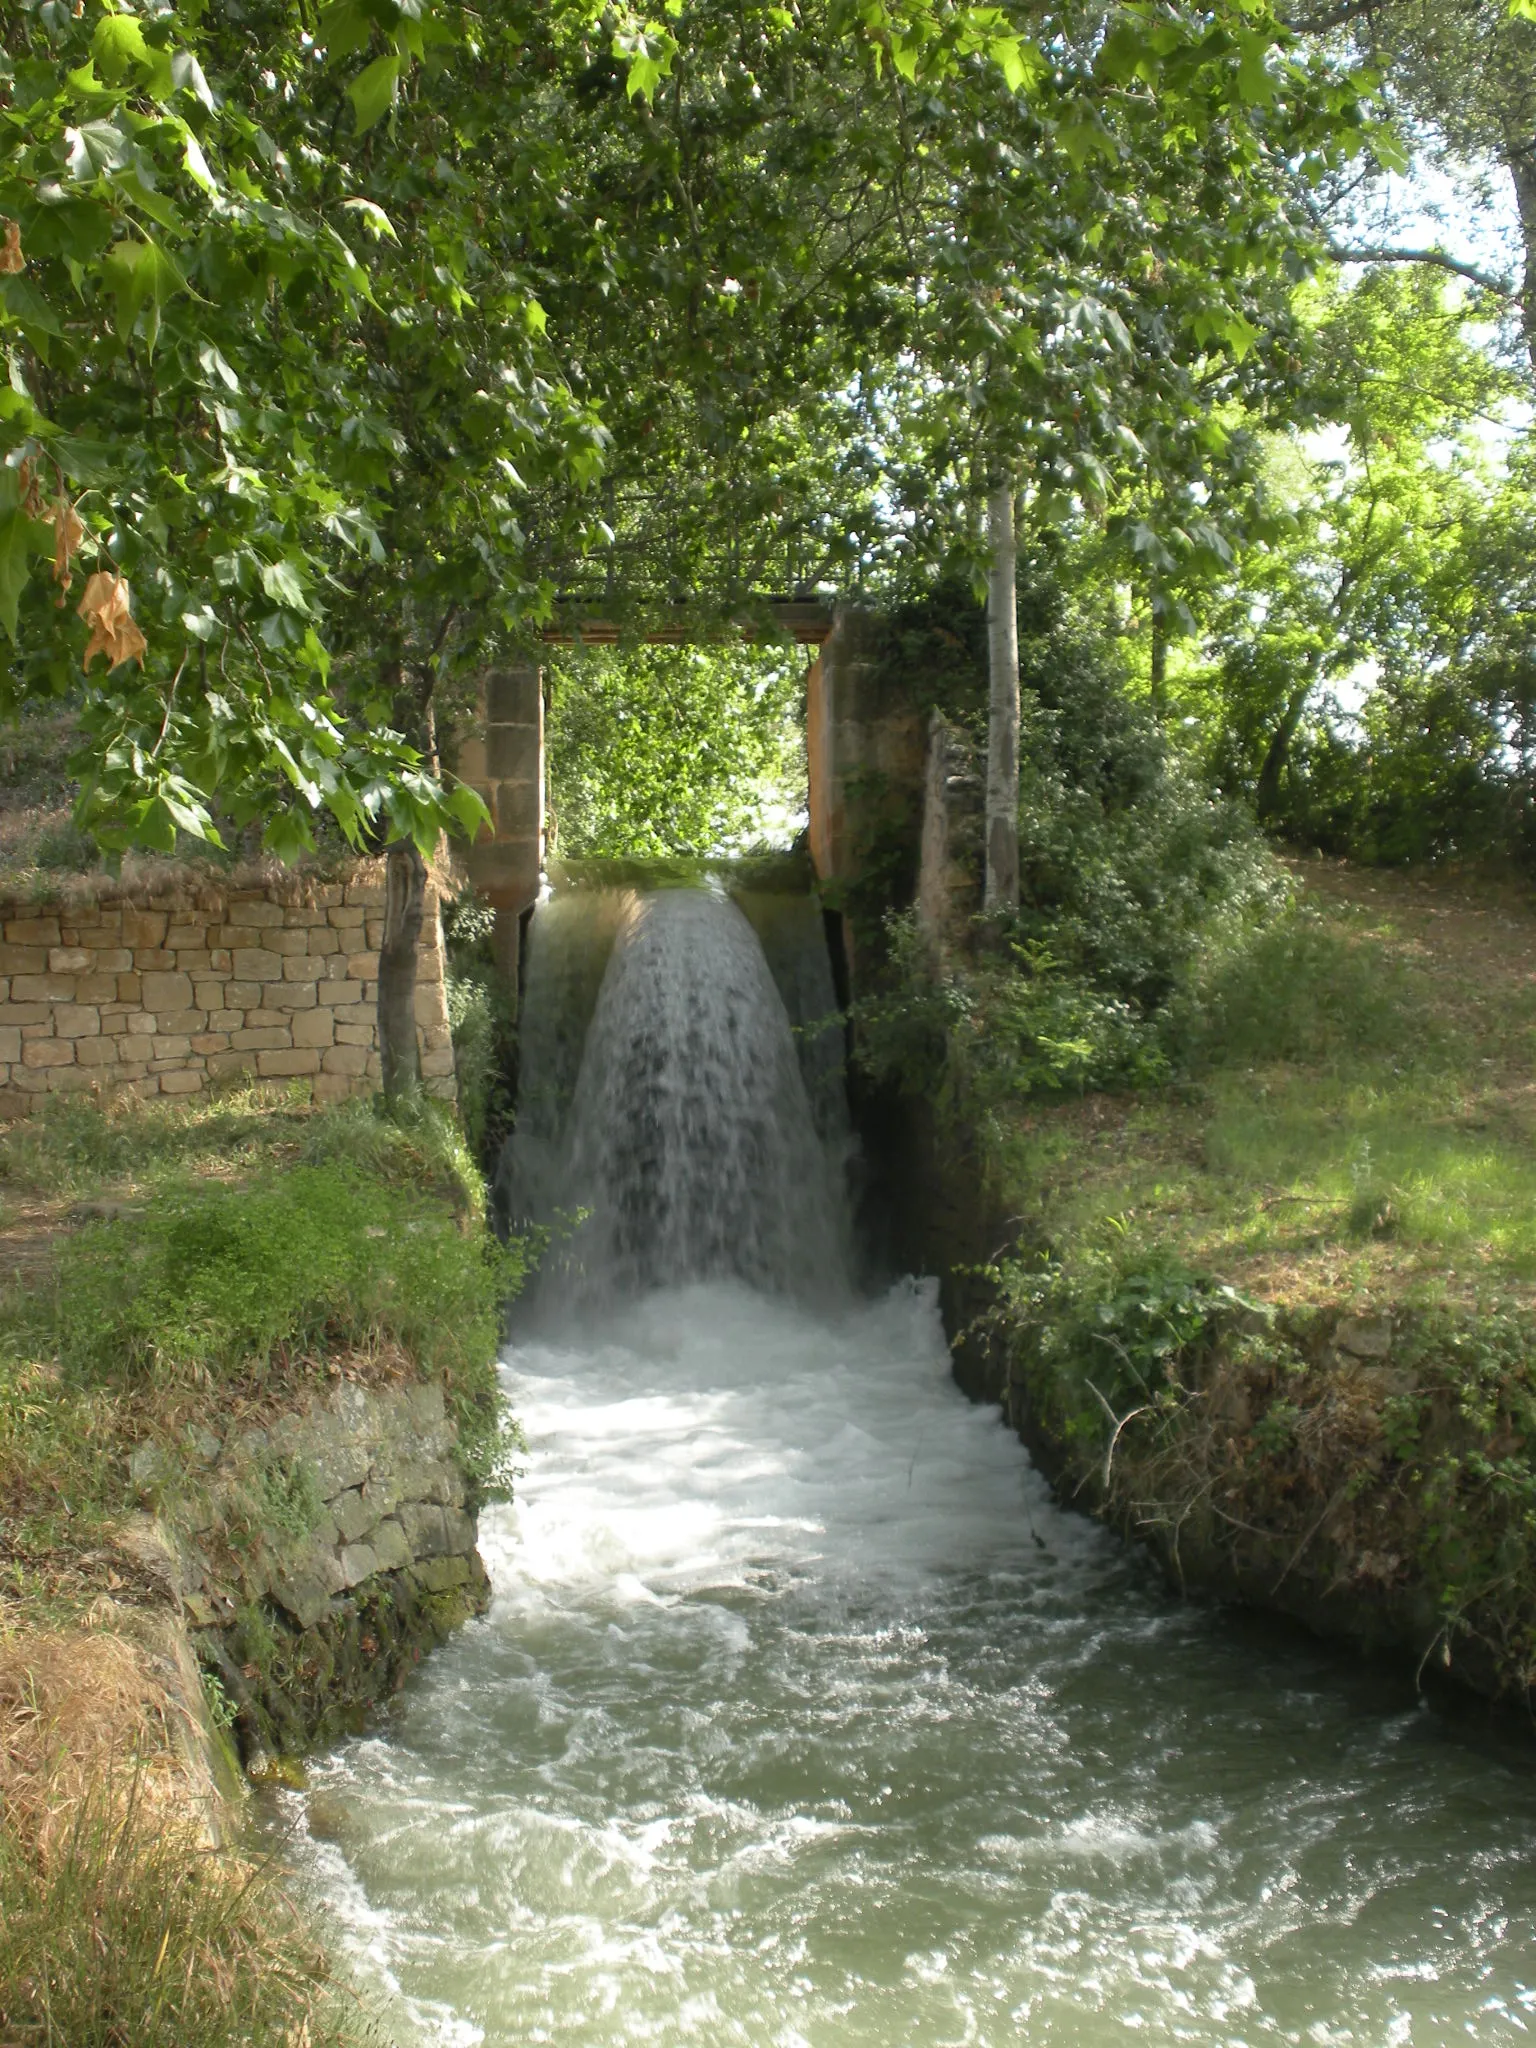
{"points": [[1159, 658], [1002, 880], [1266, 795], [405, 897]]}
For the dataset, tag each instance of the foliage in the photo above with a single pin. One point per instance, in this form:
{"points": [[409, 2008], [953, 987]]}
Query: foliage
{"points": [[483, 1020], [662, 750], [1130, 876]]}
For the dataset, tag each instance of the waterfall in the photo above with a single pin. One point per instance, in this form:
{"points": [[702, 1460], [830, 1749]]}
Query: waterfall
{"points": [[686, 1131]]}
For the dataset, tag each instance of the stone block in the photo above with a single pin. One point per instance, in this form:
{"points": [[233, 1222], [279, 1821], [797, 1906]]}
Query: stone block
{"points": [[154, 960], [256, 963], [332, 1087], [77, 1020], [365, 893], [171, 1045], [193, 960], [95, 1052], [134, 1046], [26, 1013], [10, 1044], [351, 1032], [224, 1066], [304, 1595], [42, 988], [71, 1080], [96, 988], [441, 1574], [130, 988], [144, 927], [1365, 1336], [288, 943], [390, 1546], [207, 995], [48, 1052], [426, 1529], [70, 960], [355, 1514], [314, 1027], [278, 1065], [164, 992], [183, 1020], [358, 1561], [346, 916], [204, 1042], [438, 1065], [323, 940], [290, 995], [340, 995], [182, 1081], [32, 931], [24, 959], [267, 1039], [113, 959], [225, 1020], [363, 966], [259, 911], [242, 995], [300, 967], [344, 1059]]}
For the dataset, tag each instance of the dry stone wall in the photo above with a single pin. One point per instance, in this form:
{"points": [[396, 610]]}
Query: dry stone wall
{"points": [[315, 1554], [170, 993]]}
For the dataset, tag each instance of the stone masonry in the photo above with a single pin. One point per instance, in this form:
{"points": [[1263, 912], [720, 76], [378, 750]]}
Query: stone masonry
{"points": [[170, 994]]}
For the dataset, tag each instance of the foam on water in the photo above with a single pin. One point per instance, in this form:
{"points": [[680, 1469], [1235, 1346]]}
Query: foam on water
{"points": [[802, 1717]]}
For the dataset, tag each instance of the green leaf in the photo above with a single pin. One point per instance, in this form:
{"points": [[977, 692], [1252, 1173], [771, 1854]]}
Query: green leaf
{"points": [[373, 218], [15, 545], [283, 584], [117, 45], [1021, 64], [1522, 10], [187, 76], [373, 91], [466, 807], [140, 277], [96, 147]]}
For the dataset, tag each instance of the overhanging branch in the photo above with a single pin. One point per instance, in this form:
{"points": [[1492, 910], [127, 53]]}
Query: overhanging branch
{"points": [[1342, 253]]}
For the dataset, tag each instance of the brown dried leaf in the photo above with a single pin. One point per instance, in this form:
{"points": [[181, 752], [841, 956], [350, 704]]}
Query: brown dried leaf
{"points": [[68, 537], [11, 259], [105, 607], [31, 487]]}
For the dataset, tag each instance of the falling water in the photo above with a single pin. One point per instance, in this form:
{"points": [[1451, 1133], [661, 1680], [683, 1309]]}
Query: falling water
{"points": [[688, 1139], [803, 1718]]}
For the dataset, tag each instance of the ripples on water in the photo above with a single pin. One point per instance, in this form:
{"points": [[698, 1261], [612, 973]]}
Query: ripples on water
{"points": [[802, 1719]]}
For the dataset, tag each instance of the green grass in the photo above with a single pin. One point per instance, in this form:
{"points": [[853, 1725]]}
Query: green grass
{"points": [[1354, 1114]]}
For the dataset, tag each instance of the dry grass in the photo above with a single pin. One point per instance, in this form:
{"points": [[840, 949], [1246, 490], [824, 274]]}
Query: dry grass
{"points": [[123, 1921]]}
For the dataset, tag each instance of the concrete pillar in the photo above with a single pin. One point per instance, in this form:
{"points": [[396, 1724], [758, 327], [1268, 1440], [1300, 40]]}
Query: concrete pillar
{"points": [[865, 748], [504, 762]]}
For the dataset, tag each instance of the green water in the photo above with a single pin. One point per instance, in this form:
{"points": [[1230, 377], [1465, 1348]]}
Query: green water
{"points": [[803, 1720]]}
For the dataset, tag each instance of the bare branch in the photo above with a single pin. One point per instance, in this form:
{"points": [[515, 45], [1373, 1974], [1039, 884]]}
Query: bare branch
{"points": [[1341, 253]]}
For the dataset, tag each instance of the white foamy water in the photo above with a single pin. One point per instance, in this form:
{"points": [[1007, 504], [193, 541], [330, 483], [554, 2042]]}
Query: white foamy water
{"points": [[803, 1720]]}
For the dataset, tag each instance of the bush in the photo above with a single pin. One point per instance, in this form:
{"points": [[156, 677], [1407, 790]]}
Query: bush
{"points": [[1130, 876]]}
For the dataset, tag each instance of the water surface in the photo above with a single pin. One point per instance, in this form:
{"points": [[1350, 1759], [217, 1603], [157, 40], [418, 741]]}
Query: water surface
{"points": [[802, 1719]]}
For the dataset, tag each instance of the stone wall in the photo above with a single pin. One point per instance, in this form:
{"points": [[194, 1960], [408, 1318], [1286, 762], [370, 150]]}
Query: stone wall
{"points": [[169, 992], [316, 1554]]}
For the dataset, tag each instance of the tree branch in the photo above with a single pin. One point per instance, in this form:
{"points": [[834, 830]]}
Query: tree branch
{"points": [[1344, 254]]}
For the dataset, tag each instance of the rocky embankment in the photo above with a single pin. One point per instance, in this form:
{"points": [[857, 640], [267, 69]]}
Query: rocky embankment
{"points": [[314, 1555]]}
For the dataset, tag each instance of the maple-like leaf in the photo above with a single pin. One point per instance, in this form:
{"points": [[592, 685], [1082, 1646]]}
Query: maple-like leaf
{"points": [[105, 607]]}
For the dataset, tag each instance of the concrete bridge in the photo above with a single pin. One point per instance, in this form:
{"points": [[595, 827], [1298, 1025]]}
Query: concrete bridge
{"points": [[865, 745]]}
